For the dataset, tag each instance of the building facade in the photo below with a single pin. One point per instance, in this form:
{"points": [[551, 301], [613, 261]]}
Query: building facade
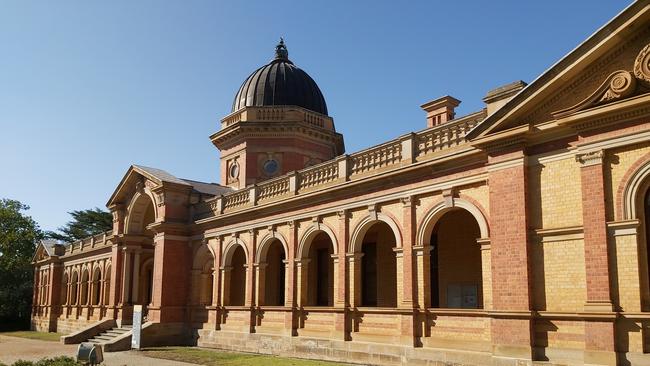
{"points": [[515, 234]]}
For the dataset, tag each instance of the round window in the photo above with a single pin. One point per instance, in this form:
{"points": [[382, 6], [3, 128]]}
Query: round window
{"points": [[270, 167], [234, 170]]}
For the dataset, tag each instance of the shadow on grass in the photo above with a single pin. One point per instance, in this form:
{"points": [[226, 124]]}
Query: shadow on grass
{"points": [[209, 357]]}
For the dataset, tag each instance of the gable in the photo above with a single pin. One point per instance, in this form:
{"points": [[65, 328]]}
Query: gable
{"points": [[575, 77]]}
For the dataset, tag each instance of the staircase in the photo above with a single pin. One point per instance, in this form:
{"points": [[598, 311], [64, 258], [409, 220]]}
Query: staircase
{"points": [[108, 335]]}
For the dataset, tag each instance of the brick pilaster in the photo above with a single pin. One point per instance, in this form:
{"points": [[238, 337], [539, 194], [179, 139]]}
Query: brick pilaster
{"points": [[170, 278], [511, 323], [599, 336]]}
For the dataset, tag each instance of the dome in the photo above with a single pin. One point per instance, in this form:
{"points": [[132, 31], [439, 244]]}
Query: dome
{"points": [[280, 83]]}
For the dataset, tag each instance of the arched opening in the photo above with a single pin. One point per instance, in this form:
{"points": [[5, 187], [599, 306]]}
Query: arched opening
{"points": [[379, 267], [74, 288], [207, 282], [274, 277], [202, 276], [96, 287], [237, 288], [146, 282], [320, 277], [107, 285], [455, 262], [84, 287], [64, 290]]}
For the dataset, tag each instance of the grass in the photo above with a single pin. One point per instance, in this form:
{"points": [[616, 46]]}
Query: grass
{"points": [[207, 357], [42, 336]]}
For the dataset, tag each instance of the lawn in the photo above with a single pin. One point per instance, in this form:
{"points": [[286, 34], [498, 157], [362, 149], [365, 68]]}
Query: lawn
{"points": [[42, 336], [202, 356]]}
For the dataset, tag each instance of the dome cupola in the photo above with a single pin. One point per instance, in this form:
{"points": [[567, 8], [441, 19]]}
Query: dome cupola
{"points": [[280, 83]]}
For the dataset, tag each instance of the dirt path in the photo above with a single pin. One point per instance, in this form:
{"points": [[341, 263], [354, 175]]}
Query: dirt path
{"points": [[13, 348]]}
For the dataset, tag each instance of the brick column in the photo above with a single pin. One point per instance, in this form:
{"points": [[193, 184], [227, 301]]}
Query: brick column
{"points": [[599, 335], [408, 239], [511, 321], [260, 285], [354, 279], [126, 277], [341, 296], [249, 300], [116, 278], [135, 283], [302, 271], [170, 277], [290, 318]]}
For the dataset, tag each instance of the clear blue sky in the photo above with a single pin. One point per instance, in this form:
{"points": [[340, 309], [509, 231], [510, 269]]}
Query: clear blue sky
{"points": [[88, 88]]}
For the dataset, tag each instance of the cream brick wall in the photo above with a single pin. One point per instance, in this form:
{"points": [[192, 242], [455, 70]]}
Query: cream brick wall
{"points": [[479, 193], [554, 194], [559, 276], [627, 272]]}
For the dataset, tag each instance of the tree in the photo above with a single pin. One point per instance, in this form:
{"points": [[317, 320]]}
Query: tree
{"points": [[19, 235], [84, 224]]}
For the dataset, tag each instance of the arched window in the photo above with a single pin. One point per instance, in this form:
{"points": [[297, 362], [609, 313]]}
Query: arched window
{"points": [[455, 265], [379, 267]]}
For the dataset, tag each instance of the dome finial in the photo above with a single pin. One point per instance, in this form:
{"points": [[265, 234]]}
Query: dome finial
{"points": [[281, 52]]}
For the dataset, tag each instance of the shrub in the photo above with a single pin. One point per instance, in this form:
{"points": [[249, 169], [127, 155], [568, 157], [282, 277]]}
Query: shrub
{"points": [[23, 363], [56, 361]]}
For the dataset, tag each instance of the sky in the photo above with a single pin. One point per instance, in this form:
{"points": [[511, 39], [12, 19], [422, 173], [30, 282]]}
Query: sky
{"points": [[88, 88]]}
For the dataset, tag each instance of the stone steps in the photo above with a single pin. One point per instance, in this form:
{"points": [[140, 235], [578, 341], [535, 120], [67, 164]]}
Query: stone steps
{"points": [[110, 334]]}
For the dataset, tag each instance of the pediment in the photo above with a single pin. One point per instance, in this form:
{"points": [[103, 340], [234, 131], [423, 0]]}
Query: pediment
{"points": [[619, 85], [603, 69], [138, 177]]}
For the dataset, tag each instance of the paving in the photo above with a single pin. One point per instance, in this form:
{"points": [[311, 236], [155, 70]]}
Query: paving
{"points": [[13, 349]]}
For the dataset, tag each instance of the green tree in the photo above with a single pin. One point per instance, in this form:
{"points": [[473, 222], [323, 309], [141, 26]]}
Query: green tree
{"points": [[84, 224], [19, 234]]}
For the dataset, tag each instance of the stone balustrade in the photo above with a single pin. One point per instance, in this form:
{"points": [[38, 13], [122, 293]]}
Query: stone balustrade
{"points": [[95, 241], [403, 151]]}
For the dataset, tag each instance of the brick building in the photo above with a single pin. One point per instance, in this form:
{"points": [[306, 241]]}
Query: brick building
{"points": [[514, 234]]}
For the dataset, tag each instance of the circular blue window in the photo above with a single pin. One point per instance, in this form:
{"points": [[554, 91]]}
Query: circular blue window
{"points": [[270, 167]]}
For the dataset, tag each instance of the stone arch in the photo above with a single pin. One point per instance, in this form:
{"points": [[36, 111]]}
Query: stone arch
{"points": [[425, 229], [265, 244], [229, 250], [632, 189], [359, 232], [311, 233], [138, 210]]}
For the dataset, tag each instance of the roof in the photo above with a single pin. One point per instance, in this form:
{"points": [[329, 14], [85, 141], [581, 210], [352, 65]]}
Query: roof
{"points": [[579, 58], [280, 83], [160, 175], [213, 189]]}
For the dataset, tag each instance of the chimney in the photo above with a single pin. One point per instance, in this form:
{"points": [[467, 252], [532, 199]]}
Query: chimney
{"points": [[496, 98], [440, 110]]}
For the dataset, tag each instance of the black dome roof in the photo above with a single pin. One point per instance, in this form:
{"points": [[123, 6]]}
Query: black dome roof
{"points": [[280, 82]]}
